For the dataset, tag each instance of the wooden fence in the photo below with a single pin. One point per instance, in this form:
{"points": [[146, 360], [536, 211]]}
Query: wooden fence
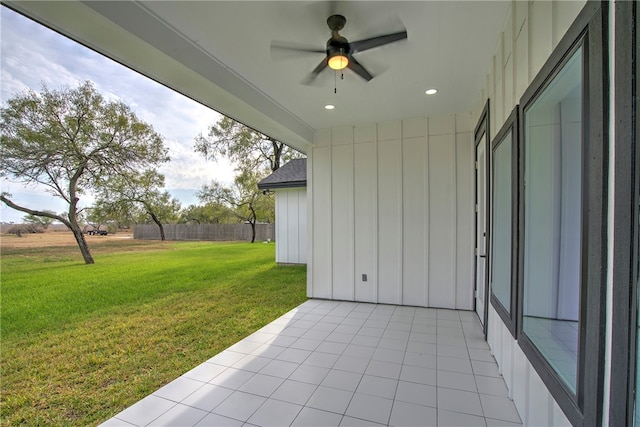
{"points": [[224, 232]]}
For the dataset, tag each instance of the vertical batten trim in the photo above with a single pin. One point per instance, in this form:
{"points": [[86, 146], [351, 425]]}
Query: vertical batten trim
{"points": [[376, 222], [310, 223], [426, 216], [353, 215], [401, 233], [454, 286], [330, 207]]}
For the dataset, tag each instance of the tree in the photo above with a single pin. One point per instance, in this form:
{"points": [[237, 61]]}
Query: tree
{"points": [[248, 148], [39, 221], [67, 141], [247, 202], [124, 194], [208, 213]]}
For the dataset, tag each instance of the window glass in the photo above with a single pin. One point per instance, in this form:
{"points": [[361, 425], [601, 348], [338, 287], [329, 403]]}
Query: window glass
{"points": [[501, 227], [552, 219]]}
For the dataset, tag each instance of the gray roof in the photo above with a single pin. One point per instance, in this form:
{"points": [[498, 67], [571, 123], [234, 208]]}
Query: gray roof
{"points": [[292, 174]]}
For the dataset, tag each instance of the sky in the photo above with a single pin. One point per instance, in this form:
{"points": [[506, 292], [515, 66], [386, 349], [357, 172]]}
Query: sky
{"points": [[32, 55]]}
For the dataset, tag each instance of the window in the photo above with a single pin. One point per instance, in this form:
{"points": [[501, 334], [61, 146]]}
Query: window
{"points": [[552, 219], [504, 221], [562, 228]]}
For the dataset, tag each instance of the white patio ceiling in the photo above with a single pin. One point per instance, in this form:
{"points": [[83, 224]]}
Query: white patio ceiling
{"points": [[218, 53]]}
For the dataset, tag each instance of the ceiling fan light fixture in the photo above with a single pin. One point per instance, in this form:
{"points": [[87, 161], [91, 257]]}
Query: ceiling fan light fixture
{"points": [[329, 107], [338, 61]]}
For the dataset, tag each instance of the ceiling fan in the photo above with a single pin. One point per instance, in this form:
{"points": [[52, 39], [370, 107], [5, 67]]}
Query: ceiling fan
{"points": [[339, 51]]}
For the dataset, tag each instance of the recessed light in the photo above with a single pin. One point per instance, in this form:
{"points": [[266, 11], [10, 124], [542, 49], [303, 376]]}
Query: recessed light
{"points": [[431, 91], [329, 107]]}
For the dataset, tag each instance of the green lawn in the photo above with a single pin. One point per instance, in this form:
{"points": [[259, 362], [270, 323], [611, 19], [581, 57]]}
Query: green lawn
{"points": [[82, 342]]}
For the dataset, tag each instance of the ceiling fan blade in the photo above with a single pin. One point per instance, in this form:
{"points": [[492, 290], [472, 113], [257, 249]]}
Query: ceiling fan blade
{"points": [[357, 68], [312, 76], [295, 47], [362, 45]]}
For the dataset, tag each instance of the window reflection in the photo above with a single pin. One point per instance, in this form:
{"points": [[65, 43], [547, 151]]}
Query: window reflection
{"points": [[501, 227], [552, 219]]}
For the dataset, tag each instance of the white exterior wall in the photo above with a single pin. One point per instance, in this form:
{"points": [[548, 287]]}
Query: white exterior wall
{"points": [[532, 30], [394, 201], [291, 226]]}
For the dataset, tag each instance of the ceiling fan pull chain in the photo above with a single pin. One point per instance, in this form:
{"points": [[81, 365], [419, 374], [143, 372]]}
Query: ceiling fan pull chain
{"points": [[335, 82]]}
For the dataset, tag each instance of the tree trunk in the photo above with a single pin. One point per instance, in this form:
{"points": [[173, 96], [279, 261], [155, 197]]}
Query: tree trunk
{"points": [[157, 221], [82, 244]]}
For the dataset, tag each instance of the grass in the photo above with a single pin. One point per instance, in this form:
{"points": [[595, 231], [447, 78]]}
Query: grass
{"points": [[82, 342]]}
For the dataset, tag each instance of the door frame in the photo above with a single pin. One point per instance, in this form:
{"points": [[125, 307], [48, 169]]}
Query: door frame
{"points": [[482, 131]]}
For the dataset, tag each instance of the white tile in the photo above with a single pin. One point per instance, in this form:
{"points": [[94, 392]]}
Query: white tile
{"points": [[182, 415], [357, 422], [370, 341], [205, 372], [179, 388], [487, 369], [499, 423], [207, 397], [293, 355], [408, 414], [393, 344], [481, 354], [343, 380], [232, 378], [378, 386], [262, 385], [378, 368], [115, 422], [491, 385], [340, 337], [419, 394], [309, 374], [324, 360], [330, 399], [146, 410], [454, 364], [388, 355], [420, 359], [294, 392], [453, 351], [351, 364], [456, 419], [245, 347], [218, 420], [275, 413], [418, 375], [306, 344], [331, 347], [239, 406], [359, 351], [226, 358], [456, 380], [371, 408], [500, 408], [310, 417], [269, 351], [279, 368], [252, 363], [422, 337], [421, 347], [279, 341], [459, 401]]}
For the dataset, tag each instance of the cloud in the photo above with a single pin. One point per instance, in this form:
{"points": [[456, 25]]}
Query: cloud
{"points": [[33, 55]]}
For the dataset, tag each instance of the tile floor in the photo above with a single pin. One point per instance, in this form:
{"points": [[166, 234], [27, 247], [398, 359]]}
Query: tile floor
{"points": [[329, 363]]}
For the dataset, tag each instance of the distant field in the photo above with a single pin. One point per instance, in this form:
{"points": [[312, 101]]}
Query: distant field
{"points": [[82, 342]]}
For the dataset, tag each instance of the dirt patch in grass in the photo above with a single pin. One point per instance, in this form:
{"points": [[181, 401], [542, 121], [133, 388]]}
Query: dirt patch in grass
{"points": [[62, 244]]}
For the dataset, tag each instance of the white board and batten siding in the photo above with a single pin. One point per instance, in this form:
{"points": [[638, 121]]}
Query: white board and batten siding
{"points": [[532, 30], [291, 225], [393, 201]]}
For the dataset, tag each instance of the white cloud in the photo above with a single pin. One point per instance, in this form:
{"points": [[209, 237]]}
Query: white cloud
{"points": [[33, 55]]}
